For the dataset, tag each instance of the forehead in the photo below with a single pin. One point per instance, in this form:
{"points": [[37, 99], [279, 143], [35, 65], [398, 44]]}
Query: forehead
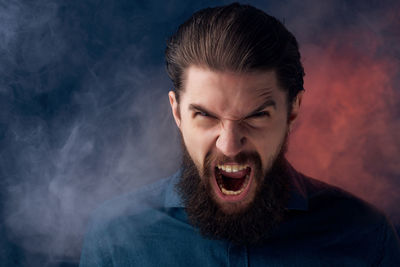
{"points": [[230, 92]]}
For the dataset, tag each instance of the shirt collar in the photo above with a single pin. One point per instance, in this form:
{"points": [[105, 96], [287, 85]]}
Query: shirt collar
{"points": [[297, 199], [172, 198]]}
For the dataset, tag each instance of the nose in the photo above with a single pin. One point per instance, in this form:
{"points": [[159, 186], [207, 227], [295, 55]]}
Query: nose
{"points": [[230, 140]]}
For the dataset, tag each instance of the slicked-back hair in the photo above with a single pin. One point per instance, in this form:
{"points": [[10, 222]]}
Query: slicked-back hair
{"points": [[238, 38]]}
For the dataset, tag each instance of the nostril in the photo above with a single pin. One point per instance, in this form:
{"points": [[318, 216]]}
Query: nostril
{"points": [[242, 140]]}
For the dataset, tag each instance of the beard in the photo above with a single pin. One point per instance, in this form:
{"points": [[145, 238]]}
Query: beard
{"points": [[250, 225]]}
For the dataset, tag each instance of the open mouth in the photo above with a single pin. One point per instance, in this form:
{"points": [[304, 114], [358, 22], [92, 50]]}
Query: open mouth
{"points": [[232, 179]]}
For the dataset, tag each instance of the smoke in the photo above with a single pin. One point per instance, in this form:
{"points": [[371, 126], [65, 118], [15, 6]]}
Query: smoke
{"points": [[85, 115], [356, 142], [348, 133]]}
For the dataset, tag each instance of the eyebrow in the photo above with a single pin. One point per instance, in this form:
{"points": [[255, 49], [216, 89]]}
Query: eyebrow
{"points": [[197, 107], [268, 103], [264, 105]]}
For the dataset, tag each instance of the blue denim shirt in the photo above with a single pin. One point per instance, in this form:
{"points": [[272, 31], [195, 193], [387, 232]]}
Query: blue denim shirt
{"points": [[324, 226]]}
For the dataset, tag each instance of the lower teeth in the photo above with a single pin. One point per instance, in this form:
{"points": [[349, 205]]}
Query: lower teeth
{"points": [[234, 193]]}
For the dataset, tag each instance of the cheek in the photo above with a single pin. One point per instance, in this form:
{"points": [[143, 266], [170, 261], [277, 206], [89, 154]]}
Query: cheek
{"points": [[198, 142], [267, 143]]}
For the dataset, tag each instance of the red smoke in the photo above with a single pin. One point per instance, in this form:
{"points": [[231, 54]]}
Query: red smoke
{"points": [[348, 132]]}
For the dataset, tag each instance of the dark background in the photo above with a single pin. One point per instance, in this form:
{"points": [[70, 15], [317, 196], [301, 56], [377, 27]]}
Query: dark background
{"points": [[84, 114]]}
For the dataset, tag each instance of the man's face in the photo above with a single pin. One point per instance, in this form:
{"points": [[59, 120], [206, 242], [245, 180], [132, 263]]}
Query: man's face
{"points": [[233, 127]]}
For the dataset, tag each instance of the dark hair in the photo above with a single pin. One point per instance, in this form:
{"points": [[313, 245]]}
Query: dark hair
{"points": [[238, 38]]}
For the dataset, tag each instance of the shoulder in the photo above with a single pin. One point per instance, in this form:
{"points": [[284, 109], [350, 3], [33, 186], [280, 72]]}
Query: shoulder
{"points": [[118, 222], [352, 220], [348, 214], [337, 201], [134, 209]]}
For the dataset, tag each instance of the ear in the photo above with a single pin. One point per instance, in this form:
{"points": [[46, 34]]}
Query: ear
{"points": [[295, 108], [175, 108]]}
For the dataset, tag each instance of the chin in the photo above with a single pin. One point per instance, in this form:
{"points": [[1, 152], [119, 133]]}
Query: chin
{"points": [[233, 208]]}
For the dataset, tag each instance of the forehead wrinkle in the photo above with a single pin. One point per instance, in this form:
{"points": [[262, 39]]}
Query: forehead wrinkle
{"points": [[240, 93], [264, 92], [264, 96]]}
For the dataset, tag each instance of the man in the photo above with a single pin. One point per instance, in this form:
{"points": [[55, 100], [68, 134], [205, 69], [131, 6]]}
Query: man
{"points": [[236, 201]]}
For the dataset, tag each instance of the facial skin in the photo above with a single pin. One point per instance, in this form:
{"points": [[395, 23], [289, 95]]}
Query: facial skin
{"points": [[222, 115]]}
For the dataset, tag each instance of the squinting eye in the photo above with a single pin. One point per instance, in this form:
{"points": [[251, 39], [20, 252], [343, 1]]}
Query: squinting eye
{"points": [[260, 114], [201, 113]]}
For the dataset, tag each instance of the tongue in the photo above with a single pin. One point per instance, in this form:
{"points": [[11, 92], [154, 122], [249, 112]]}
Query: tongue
{"points": [[232, 184]]}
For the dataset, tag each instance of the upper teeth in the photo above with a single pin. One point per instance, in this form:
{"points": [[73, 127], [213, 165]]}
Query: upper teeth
{"points": [[232, 168]]}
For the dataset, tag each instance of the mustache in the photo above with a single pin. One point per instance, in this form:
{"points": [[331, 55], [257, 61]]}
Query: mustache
{"points": [[241, 158]]}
